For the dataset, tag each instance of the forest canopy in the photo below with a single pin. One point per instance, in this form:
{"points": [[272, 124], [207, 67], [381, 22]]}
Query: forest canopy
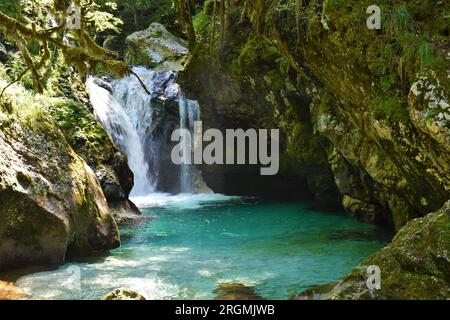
{"points": [[88, 35], [43, 29]]}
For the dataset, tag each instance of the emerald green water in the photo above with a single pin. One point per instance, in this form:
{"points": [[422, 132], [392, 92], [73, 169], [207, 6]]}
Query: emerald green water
{"points": [[189, 244]]}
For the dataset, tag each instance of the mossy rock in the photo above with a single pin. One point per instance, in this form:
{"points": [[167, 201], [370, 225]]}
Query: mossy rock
{"points": [[415, 266], [157, 48], [52, 206]]}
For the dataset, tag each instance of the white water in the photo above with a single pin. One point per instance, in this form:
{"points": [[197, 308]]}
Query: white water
{"points": [[126, 111], [189, 113], [123, 125], [181, 201]]}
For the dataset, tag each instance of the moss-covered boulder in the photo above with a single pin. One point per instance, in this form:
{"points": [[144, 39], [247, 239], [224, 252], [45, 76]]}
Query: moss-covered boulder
{"points": [[156, 47], [90, 140], [51, 204], [416, 265]]}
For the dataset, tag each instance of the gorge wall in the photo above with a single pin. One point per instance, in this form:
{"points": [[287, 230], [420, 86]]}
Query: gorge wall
{"points": [[364, 114]]}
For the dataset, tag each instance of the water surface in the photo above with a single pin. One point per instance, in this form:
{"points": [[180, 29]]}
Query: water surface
{"points": [[187, 245]]}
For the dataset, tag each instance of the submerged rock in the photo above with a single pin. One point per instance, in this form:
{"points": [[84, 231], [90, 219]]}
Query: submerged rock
{"points": [[235, 291], [156, 47], [416, 265], [123, 294], [51, 203]]}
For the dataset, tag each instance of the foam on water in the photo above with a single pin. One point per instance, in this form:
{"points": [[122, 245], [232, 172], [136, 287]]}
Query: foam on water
{"points": [[181, 201]]}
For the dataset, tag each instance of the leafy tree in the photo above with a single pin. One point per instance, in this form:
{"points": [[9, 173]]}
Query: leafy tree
{"points": [[46, 24]]}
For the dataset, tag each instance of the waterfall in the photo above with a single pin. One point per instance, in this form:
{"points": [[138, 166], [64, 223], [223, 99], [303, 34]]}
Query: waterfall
{"points": [[189, 113], [132, 118], [123, 125]]}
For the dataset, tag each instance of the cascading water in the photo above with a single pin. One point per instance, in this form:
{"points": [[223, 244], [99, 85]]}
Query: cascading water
{"points": [[123, 127], [128, 114], [189, 113]]}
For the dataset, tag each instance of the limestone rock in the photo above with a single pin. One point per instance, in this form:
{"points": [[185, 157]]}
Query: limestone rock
{"points": [[416, 265], [157, 48], [429, 110], [51, 203], [91, 142]]}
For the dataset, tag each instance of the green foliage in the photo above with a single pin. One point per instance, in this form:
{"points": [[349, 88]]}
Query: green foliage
{"points": [[10, 7], [81, 130], [391, 108], [425, 57], [389, 57], [39, 41], [387, 82], [400, 21], [271, 53], [283, 66], [25, 105], [201, 22]]}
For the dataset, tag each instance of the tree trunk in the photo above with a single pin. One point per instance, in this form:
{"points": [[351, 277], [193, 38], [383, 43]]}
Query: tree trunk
{"points": [[222, 23], [184, 14]]}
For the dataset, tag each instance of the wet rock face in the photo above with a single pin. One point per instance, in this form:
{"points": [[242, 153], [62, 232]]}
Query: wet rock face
{"points": [[123, 294], [394, 147], [251, 92], [52, 205], [156, 47], [116, 181], [90, 141], [110, 183], [416, 265]]}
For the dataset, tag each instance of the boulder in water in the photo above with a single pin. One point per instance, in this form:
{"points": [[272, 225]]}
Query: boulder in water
{"points": [[416, 265], [123, 294], [235, 291], [156, 48], [51, 203]]}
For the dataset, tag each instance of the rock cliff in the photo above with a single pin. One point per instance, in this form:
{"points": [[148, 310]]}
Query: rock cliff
{"points": [[52, 206], [364, 114]]}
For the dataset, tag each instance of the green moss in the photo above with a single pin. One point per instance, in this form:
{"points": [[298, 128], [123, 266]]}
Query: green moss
{"points": [[283, 66], [117, 68], [414, 266], [270, 54], [82, 131], [276, 79], [387, 82]]}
